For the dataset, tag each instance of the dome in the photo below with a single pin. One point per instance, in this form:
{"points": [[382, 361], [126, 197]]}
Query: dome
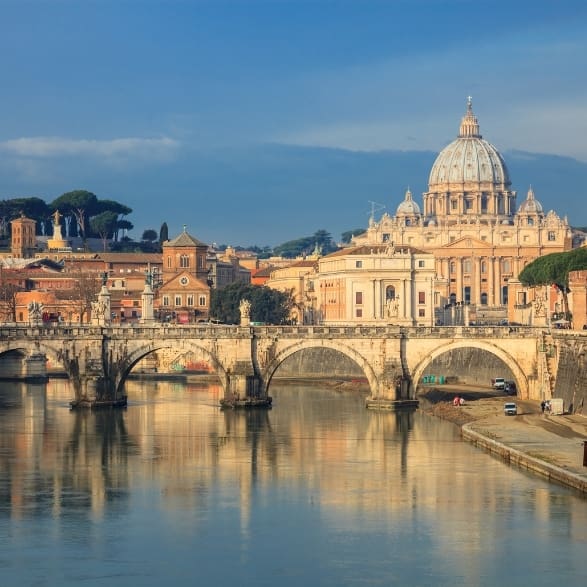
{"points": [[408, 206], [468, 159], [530, 205]]}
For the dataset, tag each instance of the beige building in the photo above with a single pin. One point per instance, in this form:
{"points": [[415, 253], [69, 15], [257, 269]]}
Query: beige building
{"points": [[470, 223], [376, 284]]}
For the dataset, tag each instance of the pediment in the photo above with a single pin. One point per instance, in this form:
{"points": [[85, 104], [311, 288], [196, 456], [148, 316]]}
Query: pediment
{"points": [[184, 281], [467, 242]]}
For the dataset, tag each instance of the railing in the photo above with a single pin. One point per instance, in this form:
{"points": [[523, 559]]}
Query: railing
{"points": [[65, 330]]}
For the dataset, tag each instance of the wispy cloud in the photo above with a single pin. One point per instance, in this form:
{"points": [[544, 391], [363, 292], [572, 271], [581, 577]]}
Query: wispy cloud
{"points": [[57, 147]]}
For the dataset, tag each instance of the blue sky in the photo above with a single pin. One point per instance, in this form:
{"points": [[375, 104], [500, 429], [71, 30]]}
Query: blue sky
{"points": [[119, 96]]}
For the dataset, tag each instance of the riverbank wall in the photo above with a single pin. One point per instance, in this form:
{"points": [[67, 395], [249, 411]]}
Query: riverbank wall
{"points": [[523, 460]]}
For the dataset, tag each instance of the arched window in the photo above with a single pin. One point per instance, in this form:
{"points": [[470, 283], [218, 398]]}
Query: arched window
{"points": [[453, 267], [467, 266], [453, 298], [390, 292], [483, 266], [184, 261], [483, 299]]}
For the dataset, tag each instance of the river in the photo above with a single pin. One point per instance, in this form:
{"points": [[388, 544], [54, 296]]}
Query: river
{"points": [[316, 491]]}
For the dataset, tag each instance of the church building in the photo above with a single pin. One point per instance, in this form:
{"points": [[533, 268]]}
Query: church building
{"points": [[470, 222]]}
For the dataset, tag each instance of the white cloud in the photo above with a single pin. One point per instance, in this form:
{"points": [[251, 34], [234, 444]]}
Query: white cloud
{"points": [[127, 148]]}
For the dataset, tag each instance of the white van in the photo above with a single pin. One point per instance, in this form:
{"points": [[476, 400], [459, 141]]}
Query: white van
{"points": [[499, 383]]}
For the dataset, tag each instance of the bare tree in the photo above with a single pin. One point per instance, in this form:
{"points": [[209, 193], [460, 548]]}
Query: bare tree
{"points": [[85, 291], [8, 293]]}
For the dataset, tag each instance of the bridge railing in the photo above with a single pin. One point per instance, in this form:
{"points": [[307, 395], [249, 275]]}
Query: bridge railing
{"points": [[64, 330]]}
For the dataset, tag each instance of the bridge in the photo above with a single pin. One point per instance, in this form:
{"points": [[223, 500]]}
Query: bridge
{"points": [[98, 359]]}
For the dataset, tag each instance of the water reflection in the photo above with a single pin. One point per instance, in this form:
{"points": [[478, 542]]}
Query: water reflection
{"points": [[332, 484]]}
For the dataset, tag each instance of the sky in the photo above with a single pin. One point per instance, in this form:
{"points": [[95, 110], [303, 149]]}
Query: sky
{"points": [[177, 108]]}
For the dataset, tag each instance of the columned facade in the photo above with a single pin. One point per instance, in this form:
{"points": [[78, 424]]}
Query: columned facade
{"points": [[470, 223]]}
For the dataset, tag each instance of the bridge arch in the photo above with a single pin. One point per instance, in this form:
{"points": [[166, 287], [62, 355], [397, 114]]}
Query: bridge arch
{"points": [[509, 361], [141, 352], [32, 347], [269, 370]]}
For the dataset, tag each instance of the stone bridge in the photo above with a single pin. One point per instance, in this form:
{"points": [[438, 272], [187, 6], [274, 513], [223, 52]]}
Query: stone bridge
{"points": [[98, 359]]}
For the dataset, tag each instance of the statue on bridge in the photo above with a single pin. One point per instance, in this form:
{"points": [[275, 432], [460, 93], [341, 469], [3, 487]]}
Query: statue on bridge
{"points": [[245, 311], [35, 312]]}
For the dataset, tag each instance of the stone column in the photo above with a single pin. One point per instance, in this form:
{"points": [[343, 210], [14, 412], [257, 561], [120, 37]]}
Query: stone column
{"points": [[460, 296], [147, 307], [476, 280], [490, 284]]}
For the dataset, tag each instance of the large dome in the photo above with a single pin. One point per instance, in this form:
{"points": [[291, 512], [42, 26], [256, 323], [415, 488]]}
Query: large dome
{"points": [[468, 159]]}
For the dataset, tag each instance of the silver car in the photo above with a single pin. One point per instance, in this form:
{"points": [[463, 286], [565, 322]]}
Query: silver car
{"points": [[510, 409]]}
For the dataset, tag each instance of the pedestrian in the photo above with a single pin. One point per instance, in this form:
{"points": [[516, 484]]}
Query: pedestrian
{"points": [[542, 405], [455, 401], [461, 401]]}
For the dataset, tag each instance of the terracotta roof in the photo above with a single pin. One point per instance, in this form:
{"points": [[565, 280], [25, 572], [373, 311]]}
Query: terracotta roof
{"points": [[184, 240], [155, 258]]}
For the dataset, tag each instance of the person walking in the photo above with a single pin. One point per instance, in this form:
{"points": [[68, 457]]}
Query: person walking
{"points": [[542, 405]]}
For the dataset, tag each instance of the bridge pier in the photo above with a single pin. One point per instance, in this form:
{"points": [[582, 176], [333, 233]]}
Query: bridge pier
{"points": [[393, 397], [245, 391]]}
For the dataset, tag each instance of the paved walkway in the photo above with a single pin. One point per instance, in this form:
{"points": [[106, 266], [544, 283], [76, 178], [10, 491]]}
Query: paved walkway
{"points": [[553, 446]]}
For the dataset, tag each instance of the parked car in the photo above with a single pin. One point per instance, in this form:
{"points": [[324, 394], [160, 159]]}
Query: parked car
{"points": [[510, 387], [510, 409]]}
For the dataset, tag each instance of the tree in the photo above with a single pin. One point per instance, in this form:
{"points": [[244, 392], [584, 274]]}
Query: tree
{"points": [[267, 305], [104, 225], [8, 293], [149, 235], [163, 233], [125, 226], [349, 234], [84, 292], [81, 204], [554, 269]]}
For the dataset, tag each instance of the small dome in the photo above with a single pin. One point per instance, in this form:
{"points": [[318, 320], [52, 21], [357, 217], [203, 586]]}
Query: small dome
{"points": [[468, 159], [408, 206], [530, 205]]}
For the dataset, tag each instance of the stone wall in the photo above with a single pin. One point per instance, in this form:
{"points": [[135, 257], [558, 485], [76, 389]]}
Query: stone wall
{"points": [[468, 366], [571, 379], [319, 363]]}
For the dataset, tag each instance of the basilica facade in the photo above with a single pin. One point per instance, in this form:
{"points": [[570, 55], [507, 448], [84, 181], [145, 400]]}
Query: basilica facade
{"points": [[470, 222]]}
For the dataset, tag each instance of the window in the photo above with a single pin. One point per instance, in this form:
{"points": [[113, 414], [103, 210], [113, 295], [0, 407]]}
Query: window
{"points": [[453, 267], [421, 313], [178, 300], [530, 221], [168, 261], [358, 264], [202, 301], [551, 235], [506, 266], [421, 297], [359, 313], [385, 237], [190, 300], [504, 295], [522, 298], [184, 261], [483, 204], [390, 292], [483, 299], [467, 293], [469, 205], [483, 266], [420, 263], [467, 265], [358, 297], [454, 204], [166, 300]]}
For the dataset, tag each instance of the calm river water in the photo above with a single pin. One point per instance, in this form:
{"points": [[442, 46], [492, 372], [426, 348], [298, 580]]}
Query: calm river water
{"points": [[317, 491]]}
